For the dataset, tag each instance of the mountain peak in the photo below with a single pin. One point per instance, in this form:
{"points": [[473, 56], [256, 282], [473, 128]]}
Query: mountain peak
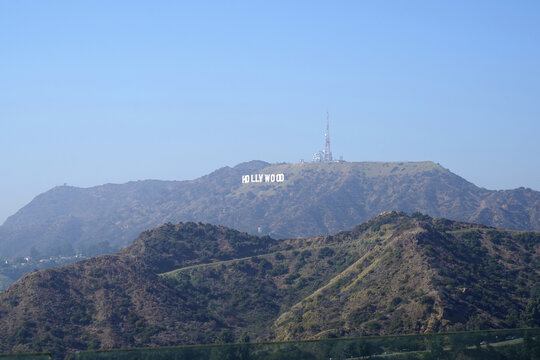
{"points": [[253, 165], [171, 246]]}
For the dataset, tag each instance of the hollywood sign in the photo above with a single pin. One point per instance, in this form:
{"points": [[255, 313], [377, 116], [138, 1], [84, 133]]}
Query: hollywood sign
{"points": [[259, 178]]}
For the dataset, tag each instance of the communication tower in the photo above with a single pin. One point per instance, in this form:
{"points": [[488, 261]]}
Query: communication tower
{"points": [[325, 155]]}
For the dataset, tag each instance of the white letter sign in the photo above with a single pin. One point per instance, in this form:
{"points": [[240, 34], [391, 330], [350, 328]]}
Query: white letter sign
{"points": [[260, 178]]}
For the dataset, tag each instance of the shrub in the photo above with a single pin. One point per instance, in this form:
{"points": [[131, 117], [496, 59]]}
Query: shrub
{"points": [[326, 252], [280, 269]]}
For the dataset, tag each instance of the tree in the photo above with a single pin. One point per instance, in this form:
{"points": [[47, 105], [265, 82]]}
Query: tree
{"points": [[531, 314], [225, 336]]}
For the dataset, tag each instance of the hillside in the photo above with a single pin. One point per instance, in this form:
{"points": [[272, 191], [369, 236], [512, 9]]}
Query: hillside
{"points": [[314, 199], [196, 283]]}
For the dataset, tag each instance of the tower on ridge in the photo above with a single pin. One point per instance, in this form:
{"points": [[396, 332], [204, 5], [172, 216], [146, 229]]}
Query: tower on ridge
{"points": [[326, 154]]}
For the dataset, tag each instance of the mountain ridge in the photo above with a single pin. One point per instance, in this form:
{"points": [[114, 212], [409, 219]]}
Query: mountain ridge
{"points": [[188, 283], [314, 199]]}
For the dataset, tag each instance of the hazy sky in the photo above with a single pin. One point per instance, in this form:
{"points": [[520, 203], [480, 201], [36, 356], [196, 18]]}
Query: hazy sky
{"points": [[93, 92]]}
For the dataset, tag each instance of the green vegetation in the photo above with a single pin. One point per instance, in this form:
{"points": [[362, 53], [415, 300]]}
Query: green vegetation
{"points": [[513, 344], [29, 356]]}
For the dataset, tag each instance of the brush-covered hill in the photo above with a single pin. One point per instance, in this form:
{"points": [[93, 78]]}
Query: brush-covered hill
{"points": [[194, 283], [314, 199]]}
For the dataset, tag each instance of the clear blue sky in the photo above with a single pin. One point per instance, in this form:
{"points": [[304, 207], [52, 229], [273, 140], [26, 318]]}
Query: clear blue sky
{"points": [[93, 92]]}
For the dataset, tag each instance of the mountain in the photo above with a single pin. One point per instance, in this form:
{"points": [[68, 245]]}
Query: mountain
{"points": [[192, 283], [313, 199]]}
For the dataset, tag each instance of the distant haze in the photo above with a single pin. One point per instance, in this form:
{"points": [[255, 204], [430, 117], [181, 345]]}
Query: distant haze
{"points": [[101, 92]]}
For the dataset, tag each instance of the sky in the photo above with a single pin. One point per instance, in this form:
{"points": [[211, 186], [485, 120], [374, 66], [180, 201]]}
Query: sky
{"points": [[95, 92]]}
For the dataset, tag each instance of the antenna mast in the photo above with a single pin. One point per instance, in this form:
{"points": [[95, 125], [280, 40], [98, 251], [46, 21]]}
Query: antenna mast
{"points": [[327, 153]]}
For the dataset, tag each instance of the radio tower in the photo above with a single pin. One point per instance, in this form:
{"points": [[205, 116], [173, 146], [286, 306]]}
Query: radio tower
{"points": [[327, 154]]}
